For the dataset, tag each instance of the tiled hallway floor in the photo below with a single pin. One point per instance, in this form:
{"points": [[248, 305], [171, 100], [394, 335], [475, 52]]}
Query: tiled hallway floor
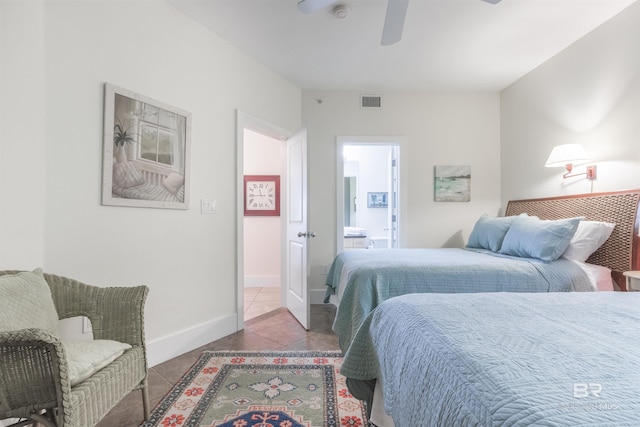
{"points": [[277, 330], [259, 301]]}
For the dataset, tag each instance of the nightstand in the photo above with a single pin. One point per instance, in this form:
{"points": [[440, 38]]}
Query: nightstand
{"points": [[633, 280]]}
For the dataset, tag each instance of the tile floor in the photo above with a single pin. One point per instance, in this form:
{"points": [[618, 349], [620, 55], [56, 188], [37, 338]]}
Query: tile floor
{"points": [[277, 330], [258, 301]]}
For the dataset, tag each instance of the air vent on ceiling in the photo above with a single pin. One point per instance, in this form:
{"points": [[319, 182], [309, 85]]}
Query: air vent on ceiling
{"points": [[371, 101]]}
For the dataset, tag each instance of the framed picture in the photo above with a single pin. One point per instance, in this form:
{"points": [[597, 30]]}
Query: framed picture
{"points": [[377, 200], [262, 195], [452, 183], [145, 152]]}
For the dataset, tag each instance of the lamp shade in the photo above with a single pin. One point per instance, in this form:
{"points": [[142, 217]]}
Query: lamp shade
{"points": [[567, 154]]}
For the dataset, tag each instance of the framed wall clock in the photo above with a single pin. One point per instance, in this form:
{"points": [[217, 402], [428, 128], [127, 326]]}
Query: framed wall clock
{"points": [[262, 195]]}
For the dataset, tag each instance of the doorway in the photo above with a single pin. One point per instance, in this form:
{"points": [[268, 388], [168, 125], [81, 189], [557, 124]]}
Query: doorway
{"points": [[292, 220], [262, 233], [368, 192], [259, 278]]}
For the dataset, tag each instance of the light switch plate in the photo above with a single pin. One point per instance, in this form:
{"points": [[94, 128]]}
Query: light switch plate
{"points": [[208, 207]]}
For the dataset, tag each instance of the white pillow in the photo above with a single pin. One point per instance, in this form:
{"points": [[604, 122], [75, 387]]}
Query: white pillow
{"points": [[173, 182], [589, 236], [25, 302], [127, 175], [87, 357]]}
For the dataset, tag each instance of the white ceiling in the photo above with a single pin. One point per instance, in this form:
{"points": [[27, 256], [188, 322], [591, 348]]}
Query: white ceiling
{"points": [[447, 45]]}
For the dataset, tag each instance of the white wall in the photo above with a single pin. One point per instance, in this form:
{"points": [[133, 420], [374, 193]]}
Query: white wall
{"points": [[23, 165], [56, 57], [262, 234], [588, 94], [440, 128]]}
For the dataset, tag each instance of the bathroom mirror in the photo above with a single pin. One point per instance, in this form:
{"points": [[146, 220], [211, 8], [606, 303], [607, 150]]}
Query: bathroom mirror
{"points": [[350, 201]]}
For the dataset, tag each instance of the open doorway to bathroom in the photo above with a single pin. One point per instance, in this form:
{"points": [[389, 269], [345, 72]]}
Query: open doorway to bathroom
{"points": [[368, 193]]}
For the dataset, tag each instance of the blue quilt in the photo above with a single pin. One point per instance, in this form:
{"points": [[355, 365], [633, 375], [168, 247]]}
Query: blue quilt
{"points": [[364, 279], [504, 359]]}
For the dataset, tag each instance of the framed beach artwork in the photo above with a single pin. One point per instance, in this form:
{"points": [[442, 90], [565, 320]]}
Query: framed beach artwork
{"points": [[377, 200], [452, 183], [145, 151]]}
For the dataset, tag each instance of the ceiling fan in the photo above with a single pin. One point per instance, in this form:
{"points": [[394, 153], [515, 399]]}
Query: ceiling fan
{"points": [[393, 21]]}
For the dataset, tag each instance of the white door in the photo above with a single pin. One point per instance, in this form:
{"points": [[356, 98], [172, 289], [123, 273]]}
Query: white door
{"points": [[393, 198], [297, 299]]}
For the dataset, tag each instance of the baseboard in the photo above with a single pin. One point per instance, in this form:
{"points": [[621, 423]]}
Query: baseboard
{"points": [[164, 348], [169, 346], [262, 281], [316, 296]]}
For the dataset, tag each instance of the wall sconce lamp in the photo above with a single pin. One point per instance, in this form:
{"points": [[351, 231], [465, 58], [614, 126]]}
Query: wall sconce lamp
{"points": [[567, 156]]}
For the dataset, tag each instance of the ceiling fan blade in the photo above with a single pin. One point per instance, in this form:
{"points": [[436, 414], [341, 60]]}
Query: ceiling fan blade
{"points": [[493, 1], [310, 6], [394, 21]]}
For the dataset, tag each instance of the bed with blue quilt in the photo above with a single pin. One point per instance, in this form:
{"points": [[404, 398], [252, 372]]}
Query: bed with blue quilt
{"points": [[377, 275], [562, 244], [502, 359]]}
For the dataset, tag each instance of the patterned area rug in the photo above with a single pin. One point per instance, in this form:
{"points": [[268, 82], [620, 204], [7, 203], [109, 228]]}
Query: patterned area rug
{"points": [[261, 389]]}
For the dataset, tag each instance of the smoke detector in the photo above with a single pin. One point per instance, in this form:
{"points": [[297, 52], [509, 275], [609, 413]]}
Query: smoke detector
{"points": [[340, 11]]}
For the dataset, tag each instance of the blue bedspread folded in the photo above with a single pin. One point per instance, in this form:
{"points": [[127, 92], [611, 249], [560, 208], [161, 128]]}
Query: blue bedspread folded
{"points": [[504, 359], [364, 279]]}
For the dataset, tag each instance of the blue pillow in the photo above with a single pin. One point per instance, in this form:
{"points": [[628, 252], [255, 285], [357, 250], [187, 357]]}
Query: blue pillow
{"points": [[532, 237], [488, 233]]}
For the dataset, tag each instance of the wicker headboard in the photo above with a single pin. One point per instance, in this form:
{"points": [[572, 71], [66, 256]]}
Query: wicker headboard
{"points": [[621, 252]]}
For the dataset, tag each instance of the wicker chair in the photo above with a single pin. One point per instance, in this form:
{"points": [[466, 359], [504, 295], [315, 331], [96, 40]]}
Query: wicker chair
{"points": [[34, 367]]}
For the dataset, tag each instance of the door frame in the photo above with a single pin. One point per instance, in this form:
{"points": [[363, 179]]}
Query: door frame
{"points": [[247, 121], [341, 141]]}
